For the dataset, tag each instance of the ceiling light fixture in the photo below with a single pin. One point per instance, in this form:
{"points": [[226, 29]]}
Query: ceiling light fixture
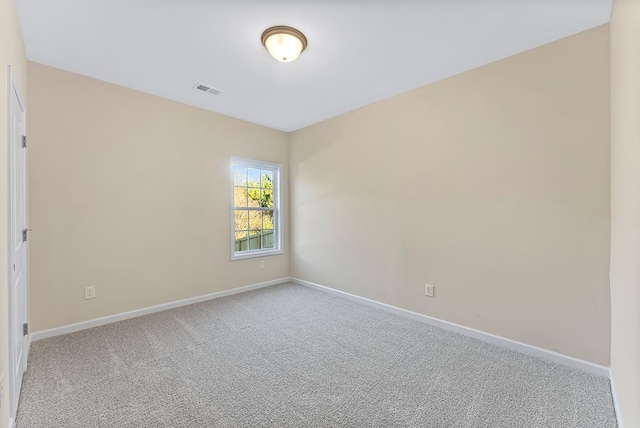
{"points": [[284, 43]]}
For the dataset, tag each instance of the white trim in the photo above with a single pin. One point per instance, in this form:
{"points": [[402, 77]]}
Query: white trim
{"points": [[556, 357], [252, 254], [44, 334], [616, 406], [11, 423], [278, 247]]}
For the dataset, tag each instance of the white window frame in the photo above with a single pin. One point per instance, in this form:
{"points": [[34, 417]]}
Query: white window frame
{"points": [[277, 209]]}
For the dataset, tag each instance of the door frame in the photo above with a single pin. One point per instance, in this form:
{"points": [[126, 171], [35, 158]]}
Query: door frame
{"points": [[14, 392]]}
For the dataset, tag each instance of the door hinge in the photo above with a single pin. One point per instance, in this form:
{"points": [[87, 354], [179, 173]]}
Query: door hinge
{"points": [[24, 141], [25, 329], [25, 234]]}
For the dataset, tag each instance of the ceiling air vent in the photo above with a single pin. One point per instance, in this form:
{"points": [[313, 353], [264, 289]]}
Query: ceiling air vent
{"points": [[209, 89]]}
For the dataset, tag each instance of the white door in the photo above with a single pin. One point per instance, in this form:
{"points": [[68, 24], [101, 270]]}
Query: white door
{"points": [[17, 244]]}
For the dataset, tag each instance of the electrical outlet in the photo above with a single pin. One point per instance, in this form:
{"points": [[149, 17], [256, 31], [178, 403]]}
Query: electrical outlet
{"points": [[261, 264], [89, 293], [428, 290]]}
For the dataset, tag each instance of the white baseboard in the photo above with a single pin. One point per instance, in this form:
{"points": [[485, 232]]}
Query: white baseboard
{"points": [[556, 357], [566, 360], [44, 334], [616, 406]]}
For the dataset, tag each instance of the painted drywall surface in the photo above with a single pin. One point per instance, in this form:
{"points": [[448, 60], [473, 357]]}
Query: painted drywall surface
{"points": [[492, 185], [625, 208], [11, 53], [130, 193]]}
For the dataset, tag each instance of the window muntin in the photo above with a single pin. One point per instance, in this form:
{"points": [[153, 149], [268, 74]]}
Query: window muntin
{"points": [[256, 208]]}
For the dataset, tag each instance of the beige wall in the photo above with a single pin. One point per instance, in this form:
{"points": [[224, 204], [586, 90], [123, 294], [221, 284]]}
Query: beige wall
{"points": [[11, 53], [492, 185], [625, 208], [130, 193]]}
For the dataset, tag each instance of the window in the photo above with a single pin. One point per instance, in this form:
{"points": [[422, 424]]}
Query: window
{"points": [[256, 216]]}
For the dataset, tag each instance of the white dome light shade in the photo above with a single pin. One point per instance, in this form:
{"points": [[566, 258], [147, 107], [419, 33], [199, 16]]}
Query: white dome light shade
{"points": [[284, 47], [284, 43]]}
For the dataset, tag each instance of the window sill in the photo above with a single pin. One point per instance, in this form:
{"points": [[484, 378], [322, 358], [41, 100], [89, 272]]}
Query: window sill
{"points": [[254, 254]]}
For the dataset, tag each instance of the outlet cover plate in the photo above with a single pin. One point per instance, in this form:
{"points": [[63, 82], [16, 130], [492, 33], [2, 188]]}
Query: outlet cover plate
{"points": [[429, 290], [89, 293]]}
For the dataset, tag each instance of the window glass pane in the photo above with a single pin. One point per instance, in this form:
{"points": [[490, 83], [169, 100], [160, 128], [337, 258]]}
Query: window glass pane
{"points": [[267, 219], [267, 179], [242, 243], [241, 220], [254, 177], [239, 175], [255, 220], [254, 197], [255, 240], [240, 196], [254, 207], [266, 201], [267, 238]]}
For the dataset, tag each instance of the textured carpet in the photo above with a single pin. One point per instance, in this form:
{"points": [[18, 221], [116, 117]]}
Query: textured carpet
{"points": [[290, 356]]}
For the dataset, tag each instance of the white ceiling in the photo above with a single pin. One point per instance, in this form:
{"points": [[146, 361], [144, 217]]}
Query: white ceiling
{"points": [[359, 51]]}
